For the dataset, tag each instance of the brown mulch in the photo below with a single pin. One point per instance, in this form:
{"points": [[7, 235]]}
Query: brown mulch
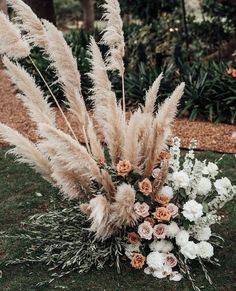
{"points": [[210, 136]]}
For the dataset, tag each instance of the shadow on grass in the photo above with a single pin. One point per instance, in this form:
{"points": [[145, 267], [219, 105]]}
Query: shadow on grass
{"points": [[19, 186]]}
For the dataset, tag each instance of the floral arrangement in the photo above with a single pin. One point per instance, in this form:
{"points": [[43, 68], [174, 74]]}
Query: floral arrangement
{"points": [[130, 196]]}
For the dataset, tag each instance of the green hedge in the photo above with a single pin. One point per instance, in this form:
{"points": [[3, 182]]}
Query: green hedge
{"points": [[210, 92]]}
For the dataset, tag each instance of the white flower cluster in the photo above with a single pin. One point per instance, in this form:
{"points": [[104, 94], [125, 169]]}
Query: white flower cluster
{"points": [[181, 222]]}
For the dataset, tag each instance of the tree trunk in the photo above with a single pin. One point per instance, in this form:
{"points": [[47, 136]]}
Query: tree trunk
{"points": [[3, 6], [88, 10], [43, 9]]}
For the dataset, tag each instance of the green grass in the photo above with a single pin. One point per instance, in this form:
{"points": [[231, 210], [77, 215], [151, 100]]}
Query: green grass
{"points": [[18, 199]]}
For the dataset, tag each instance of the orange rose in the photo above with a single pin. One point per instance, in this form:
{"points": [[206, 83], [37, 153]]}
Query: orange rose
{"points": [[133, 238], [137, 261], [162, 199], [162, 213], [123, 167], [164, 155], [145, 186]]}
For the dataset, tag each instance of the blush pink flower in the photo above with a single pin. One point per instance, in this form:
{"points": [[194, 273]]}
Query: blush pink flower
{"points": [[142, 209], [170, 260], [145, 230], [173, 209], [160, 230]]}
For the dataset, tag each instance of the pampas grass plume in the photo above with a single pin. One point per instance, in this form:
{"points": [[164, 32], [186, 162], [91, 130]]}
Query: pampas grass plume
{"points": [[11, 42]]}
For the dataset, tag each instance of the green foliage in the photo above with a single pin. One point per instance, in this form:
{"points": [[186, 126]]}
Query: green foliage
{"points": [[67, 11], [60, 239], [210, 92]]}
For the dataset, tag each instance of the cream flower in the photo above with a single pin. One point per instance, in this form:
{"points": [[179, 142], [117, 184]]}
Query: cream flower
{"points": [[205, 250], [223, 185], [203, 233], [192, 210], [145, 230], [175, 276], [142, 209], [172, 229], [204, 186], [189, 250], [211, 169], [163, 246], [180, 180], [163, 272], [182, 238], [155, 260], [167, 191]]}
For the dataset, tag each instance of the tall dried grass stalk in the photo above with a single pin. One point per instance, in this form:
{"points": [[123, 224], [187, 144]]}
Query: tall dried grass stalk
{"points": [[106, 112], [151, 96], [74, 154], [113, 37], [28, 22], [162, 128], [11, 42], [66, 68], [26, 152], [31, 96]]}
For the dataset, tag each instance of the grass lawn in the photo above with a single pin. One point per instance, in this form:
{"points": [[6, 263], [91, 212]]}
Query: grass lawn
{"points": [[18, 199]]}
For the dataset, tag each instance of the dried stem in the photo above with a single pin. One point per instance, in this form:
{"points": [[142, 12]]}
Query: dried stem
{"points": [[54, 98]]}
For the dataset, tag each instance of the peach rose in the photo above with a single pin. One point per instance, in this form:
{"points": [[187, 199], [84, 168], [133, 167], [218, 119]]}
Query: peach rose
{"points": [[160, 230], [145, 186], [162, 213], [123, 168], [164, 155], [162, 199], [133, 238], [142, 209], [170, 260], [137, 261]]}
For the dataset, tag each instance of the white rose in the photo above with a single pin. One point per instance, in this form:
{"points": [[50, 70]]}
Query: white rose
{"points": [[163, 272], [167, 191], [203, 233], [155, 260], [161, 246], [205, 250], [211, 169], [223, 185], [192, 210], [189, 250], [182, 237], [172, 229], [204, 186], [175, 276], [180, 179]]}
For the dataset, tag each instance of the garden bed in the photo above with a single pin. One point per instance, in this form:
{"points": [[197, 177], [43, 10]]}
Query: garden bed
{"points": [[211, 136]]}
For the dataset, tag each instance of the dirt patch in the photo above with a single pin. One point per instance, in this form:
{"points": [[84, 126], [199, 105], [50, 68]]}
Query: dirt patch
{"points": [[210, 136]]}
